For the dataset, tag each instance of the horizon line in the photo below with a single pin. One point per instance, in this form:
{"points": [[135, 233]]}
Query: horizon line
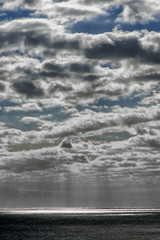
{"points": [[79, 210]]}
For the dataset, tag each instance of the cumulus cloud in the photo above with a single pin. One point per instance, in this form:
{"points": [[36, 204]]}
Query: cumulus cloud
{"points": [[28, 89], [2, 87], [139, 11], [132, 11], [66, 143], [113, 47], [24, 107], [128, 46]]}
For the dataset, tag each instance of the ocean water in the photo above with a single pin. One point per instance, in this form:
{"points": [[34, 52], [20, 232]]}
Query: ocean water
{"points": [[52, 224]]}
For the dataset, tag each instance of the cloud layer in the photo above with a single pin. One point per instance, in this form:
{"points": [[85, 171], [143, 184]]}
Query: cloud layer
{"points": [[78, 106]]}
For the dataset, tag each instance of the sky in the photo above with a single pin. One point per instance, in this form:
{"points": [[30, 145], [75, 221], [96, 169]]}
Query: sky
{"points": [[79, 103]]}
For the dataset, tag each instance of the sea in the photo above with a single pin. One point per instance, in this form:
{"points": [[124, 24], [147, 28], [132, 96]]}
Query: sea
{"points": [[79, 224]]}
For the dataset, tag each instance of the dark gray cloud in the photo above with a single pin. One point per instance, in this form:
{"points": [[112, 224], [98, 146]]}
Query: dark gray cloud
{"points": [[2, 87], [53, 74], [10, 38], [28, 88], [135, 119], [91, 78], [66, 143], [49, 53], [48, 70], [149, 77], [94, 1], [59, 87], [34, 39], [128, 165], [119, 49], [153, 142], [80, 68], [53, 70], [28, 165], [122, 49], [30, 2], [16, 35], [56, 1], [53, 67], [67, 44]]}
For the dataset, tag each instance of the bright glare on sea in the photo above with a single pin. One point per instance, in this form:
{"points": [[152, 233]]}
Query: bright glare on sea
{"points": [[78, 224]]}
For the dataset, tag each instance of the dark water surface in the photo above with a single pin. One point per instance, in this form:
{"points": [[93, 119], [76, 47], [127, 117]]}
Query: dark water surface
{"points": [[78, 226]]}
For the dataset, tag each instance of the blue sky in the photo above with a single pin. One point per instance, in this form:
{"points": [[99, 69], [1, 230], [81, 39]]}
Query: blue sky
{"points": [[79, 103], [106, 24], [108, 21], [14, 14]]}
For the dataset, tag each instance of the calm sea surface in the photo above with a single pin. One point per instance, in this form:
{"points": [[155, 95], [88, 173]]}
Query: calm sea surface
{"points": [[80, 225]]}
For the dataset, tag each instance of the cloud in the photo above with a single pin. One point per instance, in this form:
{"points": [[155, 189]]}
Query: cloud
{"points": [[28, 88], [80, 68], [66, 143], [139, 11], [30, 2], [91, 78], [69, 44], [59, 87], [31, 119], [53, 67], [24, 107], [2, 87], [149, 77], [113, 47], [77, 106], [132, 11], [12, 34], [122, 48]]}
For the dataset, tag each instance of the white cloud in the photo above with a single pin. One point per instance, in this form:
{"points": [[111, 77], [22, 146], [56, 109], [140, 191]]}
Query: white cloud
{"points": [[139, 11], [24, 107]]}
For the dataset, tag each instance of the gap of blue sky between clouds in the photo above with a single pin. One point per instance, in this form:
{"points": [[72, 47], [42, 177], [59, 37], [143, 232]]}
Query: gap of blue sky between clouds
{"points": [[57, 114], [9, 15], [107, 23]]}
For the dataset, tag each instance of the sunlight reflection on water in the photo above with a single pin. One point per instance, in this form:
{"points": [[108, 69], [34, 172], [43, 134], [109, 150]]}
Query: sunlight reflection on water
{"points": [[79, 224], [115, 211]]}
